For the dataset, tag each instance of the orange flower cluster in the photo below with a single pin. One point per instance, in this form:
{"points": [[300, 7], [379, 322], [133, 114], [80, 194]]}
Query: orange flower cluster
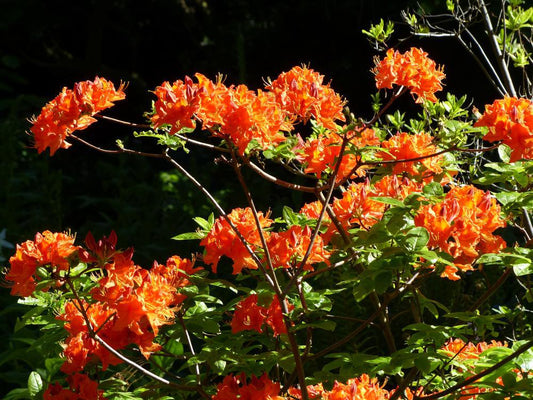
{"points": [[462, 351], [242, 115], [49, 250], [356, 206], [302, 93], [321, 154], [286, 248], [222, 240], [404, 146], [360, 388], [131, 305], [81, 388], [251, 316], [511, 121], [72, 110], [462, 225], [235, 387], [413, 70]]}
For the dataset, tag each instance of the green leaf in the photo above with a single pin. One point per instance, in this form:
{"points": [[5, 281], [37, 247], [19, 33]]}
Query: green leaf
{"points": [[18, 394], [287, 363], [423, 364], [504, 152], [204, 224], [190, 236], [35, 383], [416, 239], [388, 200], [433, 189]]}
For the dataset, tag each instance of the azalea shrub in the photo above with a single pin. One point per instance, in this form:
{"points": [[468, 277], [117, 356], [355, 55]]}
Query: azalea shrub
{"points": [[346, 295]]}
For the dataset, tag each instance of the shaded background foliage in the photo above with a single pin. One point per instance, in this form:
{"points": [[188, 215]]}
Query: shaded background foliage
{"points": [[48, 45]]}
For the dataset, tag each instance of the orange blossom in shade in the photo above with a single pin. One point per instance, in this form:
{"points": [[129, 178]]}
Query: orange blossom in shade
{"points": [[462, 225], [511, 121], [72, 110], [248, 315], [100, 252], [51, 250], [288, 248], [320, 154], [235, 387], [222, 240], [274, 317], [81, 388], [404, 146], [413, 70], [303, 95]]}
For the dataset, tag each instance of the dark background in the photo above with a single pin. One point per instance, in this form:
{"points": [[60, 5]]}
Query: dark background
{"points": [[46, 45]]}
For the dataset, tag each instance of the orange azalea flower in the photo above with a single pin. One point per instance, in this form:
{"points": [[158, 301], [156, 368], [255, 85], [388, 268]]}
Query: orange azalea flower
{"points": [[80, 348], [314, 391], [289, 247], [302, 93], [81, 388], [51, 250], [234, 113], [462, 225], [413, 70], [233, 387], [176, 105], [511, 121], [248, 315], [131, 305], [356, 206], [72, 110], [462, 351], [99, 252], [391, 186], [404, 146], [274, 317], [223, 241], [361, 388], [321, 154], [253, 116]]}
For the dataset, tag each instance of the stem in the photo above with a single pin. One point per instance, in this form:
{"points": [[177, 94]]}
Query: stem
{"points": [[496, 48], [189, 342], [221, 212], [270, 268], [274, 283], [127, 123], [490, 291], [529, 225], [273, 179]]}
